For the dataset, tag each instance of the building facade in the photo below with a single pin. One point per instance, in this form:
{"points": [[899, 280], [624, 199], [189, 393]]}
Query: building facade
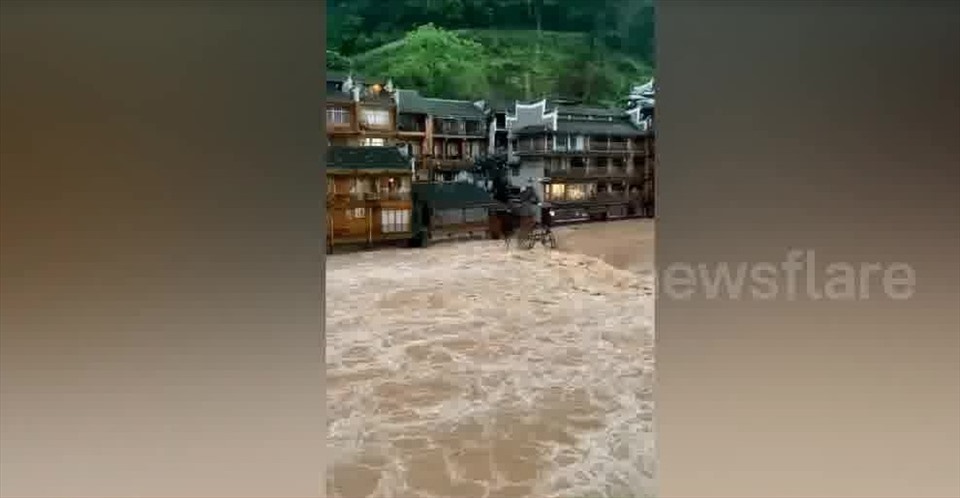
{"points": [[587, 163], [360, 113], [444, 137], [368, 196]]}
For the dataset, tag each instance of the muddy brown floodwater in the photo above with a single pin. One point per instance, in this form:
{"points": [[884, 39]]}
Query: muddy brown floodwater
{"points": [[470, 370]]}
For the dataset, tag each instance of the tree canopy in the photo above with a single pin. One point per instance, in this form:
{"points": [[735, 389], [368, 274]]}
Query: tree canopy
{"points": [[438, 62], [594, 50]]}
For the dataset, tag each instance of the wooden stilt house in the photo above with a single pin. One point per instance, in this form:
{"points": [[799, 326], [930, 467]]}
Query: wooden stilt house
{"points": [[368, 196]]}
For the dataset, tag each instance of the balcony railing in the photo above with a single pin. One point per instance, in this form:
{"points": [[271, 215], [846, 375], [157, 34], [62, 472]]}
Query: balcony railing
{"points": [[582, 172], [459, 162], [411, 127], [608, 147], [576, 172], [598, 197], [361, 197], [393, 196], [593, 149]]}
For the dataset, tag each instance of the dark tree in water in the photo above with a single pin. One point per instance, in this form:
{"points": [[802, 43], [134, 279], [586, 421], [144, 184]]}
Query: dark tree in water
{"points": [[495, 170]]}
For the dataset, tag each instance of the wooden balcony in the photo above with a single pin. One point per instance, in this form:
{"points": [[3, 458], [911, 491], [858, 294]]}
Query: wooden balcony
{"points": [[448, 163], [585, 151], [599, 198], [591, 172], [360, 199], [605, 147]]}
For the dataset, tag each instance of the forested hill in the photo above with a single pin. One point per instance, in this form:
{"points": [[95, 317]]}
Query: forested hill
{"points": [[594, 50]]}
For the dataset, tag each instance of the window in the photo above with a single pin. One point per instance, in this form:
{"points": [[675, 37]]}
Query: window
{"points": [[376, 117], [475, 215], [359, 212], [395, 220], [408, 122], [577, 143], [555, 191], [361, 186], [474, 127], [338, 116], [579, 192], [373, 142], [562, 142], [448, 216], [393, 185]]}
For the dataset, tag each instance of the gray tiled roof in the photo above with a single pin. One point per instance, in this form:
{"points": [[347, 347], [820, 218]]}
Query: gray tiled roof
{"points": [[618, 128], [580, 110], [337, 96], [452, 195], [343, 157], [411, 102]]}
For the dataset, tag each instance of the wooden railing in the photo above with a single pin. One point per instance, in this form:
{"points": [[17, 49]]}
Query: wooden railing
{"points": [[449, 162], [601, 197], [355, 197], [594, 171]]}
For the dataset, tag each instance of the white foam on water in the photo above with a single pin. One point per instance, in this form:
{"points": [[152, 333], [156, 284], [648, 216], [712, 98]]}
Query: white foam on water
{"points": [[472, 370]]}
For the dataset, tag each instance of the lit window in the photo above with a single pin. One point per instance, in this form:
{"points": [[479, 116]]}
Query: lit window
{"points": [[373, 142], [556, 191], [395, 220], [338, 116], [376, 117]]}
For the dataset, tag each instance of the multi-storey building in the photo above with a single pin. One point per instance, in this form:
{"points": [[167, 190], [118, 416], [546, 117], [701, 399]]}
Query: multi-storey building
{"points": [[368, 195], [588, 163], [444, 136], [497, 134], [360, 113], [640, 108], [368, 177]]}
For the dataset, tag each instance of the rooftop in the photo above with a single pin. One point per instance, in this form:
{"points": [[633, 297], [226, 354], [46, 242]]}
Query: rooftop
{"points": [[581, 110], [453, 195], [411, 102], [344, 157], [617, 128]]}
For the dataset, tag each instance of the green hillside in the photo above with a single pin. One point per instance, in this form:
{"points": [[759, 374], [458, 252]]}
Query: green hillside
{"points": [[508, 49]]}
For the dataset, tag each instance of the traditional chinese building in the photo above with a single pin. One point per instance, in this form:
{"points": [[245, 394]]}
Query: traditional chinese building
{"points": [[360, 112], [444, 136], [368, 196], [588, 163]]}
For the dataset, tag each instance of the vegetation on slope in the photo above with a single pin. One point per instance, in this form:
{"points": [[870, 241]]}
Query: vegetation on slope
{"points": [[512, 49]]}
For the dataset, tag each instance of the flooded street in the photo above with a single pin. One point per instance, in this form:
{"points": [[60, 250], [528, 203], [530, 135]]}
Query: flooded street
{"points": [[470, 370]]}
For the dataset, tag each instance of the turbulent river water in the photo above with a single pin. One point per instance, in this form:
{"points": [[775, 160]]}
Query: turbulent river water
{"points": [[471, 370]]}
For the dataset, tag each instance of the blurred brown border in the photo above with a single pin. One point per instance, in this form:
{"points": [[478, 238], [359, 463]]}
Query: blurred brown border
{"points": [[830, 126], [161, 221]]}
